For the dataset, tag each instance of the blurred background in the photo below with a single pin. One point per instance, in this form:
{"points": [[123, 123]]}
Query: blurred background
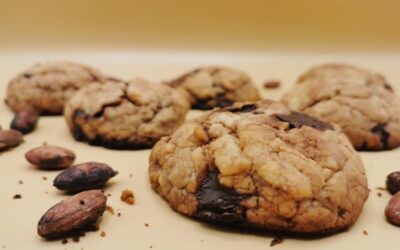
{"points": [[224, 25]]}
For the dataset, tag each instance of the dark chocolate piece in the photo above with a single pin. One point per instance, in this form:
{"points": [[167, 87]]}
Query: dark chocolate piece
{"points": [[297, 120], [218, 203], [243, 109], [380, 131]]}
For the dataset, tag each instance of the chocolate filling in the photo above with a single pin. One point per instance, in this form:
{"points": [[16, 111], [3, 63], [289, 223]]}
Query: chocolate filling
{"points": [[388, 87], [297, 120], [219, 204], [380, 131]]}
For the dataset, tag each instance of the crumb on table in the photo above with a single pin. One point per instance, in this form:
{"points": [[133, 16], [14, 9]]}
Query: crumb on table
{"points": [[110, 209], [271, 84], [17, 196], [128, 197]]}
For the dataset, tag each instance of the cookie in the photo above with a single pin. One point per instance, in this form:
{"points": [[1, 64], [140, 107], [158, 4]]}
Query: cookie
{"points": [[130, 115], [337, 72], [261, 165], [46, 87], [361, 103], [211, 87]]}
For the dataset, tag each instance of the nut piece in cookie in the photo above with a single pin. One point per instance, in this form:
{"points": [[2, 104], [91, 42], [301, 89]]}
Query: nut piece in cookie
{"points": [[359, 101], [84, 176], [50, 157], [130, 115], [10, 138], [261, 165], [74, 213], [210, 87], [25, 121], [46, 87]]}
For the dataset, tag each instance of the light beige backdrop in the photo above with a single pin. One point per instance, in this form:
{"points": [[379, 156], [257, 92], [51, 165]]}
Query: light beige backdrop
{"points": [[312, 25]]}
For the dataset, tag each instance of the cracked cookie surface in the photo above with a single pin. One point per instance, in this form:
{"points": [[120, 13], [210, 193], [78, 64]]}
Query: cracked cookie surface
{"points": [[210, 87], [46, 87], [130, 115], [360, 102], [263, 166]]}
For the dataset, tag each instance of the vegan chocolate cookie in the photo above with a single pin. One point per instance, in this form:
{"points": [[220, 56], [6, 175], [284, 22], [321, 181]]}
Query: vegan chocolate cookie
{"points": [[46, 87], [263, 166], [129, 115], [360, 102], [211, 87]]}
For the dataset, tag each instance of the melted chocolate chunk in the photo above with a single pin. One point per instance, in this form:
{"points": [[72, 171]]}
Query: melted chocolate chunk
{"points": [[218, 203], [388, 87], [380, 131], [243, 109], [27, 75], [297, 120]]}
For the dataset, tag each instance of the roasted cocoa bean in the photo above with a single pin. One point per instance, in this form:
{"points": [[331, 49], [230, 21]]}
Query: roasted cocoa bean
{"points": [[25, 121], [50, 157], [392, 210], [393, 182], [71, 214], [84, 176], [10, 138]]}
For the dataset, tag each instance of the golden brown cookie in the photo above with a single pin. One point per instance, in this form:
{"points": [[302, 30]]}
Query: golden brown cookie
{"points": [[263, 166], [210, 87], [128, 115], [46, 87], [359, 101]]}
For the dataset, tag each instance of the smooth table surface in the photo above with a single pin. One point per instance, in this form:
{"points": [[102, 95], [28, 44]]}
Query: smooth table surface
{"points": [[168, 229]]}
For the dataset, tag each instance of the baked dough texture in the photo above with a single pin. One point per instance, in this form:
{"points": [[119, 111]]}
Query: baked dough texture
{"points": [[46, 87], [131, 115], [362, 103], [210, 87], [261, 165]]}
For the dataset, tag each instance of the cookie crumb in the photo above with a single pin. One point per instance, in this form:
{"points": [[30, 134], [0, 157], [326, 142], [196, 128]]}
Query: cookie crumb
{"points": [[20, 182], [109, 195], [381, 188], [379, 194], [130, 175], [150, 246], [17, 196], [103, 234], [128, 197], [365, 232], [44, 178], [64, 241], [146, 224], [44, 143], [119, 214], [276, 241], [45, 192], [271, 84], [110, 209]]}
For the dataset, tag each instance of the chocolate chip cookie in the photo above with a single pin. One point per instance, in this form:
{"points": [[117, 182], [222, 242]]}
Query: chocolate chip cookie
{"points": [[261, 165], [46, 87], [360, 102], [130, 115], [211, 87]]}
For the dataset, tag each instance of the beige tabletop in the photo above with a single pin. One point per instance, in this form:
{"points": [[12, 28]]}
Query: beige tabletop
{"points": [[167, 229]]}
